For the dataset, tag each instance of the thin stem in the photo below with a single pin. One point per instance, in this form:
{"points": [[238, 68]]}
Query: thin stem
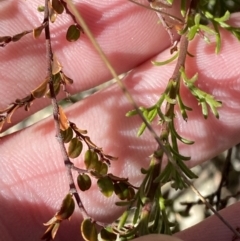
{"points": [[67, 162], [225, 171], [158, 11]]}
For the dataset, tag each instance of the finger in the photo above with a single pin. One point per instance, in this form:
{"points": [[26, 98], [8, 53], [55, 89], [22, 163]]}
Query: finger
{"points": [[127, 33], [157, 237], [34, 168], [212, 229]]}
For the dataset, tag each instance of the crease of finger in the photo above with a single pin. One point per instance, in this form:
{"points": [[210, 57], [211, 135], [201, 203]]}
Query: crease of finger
{"points": [[121, 38]]}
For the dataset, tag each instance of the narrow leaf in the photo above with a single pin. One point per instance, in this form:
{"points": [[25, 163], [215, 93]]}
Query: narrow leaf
{"points": [[157, 63]]}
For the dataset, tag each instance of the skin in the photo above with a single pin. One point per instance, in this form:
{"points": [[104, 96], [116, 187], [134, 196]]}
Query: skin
{"points": [[33, 180]]}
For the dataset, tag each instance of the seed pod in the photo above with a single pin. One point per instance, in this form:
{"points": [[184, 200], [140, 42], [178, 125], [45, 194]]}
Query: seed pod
{"points": [[84, 182]]}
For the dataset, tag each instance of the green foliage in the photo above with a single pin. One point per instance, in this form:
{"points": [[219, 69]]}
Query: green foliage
{"points": [[105, 185], [108, 235], [90, 159], [73, 33], [145, 209], [89, 230], [84, 182], [75, 148], [67, 135]]}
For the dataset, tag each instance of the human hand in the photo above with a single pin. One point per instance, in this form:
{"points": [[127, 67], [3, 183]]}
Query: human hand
{"points": [[33, 180]]}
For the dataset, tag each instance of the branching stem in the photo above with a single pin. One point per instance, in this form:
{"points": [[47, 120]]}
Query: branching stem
{"points": [[67, 162], [183, 46]]}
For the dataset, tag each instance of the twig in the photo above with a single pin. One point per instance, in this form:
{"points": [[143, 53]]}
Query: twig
{"points": [[224, 178], [72, 16], [68, 164], [158, 11]]}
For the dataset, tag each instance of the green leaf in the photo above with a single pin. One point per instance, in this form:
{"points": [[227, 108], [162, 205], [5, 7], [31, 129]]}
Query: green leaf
{"points": [[165, 175], [183, 108], [183, 7], [157, 63], [131, 113], [75, 148], [218, 38], [134, 112], [149, 115], [90, 159], [186, 170], [104, 169], [224, 18], [107, 236], [106, 186], [197, 19], [67, 135], [177, 155], [204, 109], [73, 33], [89, 230], [183, 140], [84, 182], [192, 32], [121, 190], [203, 98], [57, 6]]}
